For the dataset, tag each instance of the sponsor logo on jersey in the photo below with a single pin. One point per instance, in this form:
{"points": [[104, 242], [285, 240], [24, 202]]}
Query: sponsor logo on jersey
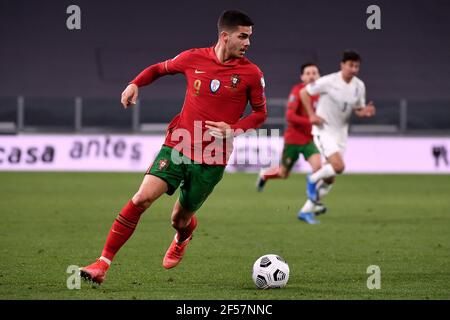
{"points": [[214, 85], [263, 83], [292, 98]]}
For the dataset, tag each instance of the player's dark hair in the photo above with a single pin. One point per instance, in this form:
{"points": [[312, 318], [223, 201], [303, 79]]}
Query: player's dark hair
{"points": [[231, 19], [306, 65], [350, 55]]}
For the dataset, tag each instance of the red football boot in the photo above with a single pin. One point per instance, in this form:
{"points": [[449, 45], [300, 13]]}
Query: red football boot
{"points": [[95, 272], [175, 252]]}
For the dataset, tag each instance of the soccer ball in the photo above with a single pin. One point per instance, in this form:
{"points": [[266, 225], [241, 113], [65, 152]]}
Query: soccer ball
{"points": [[270, 271]]}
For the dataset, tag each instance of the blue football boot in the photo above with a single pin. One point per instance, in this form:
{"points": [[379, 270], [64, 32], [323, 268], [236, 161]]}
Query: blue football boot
{"points": [[308, 217]]}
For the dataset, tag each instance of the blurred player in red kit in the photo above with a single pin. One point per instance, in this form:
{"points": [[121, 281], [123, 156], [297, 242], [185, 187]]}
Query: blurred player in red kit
{"points": [[298, 140]]}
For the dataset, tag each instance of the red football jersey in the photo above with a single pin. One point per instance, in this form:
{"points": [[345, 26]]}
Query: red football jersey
{"points": [[298, 126], [216, 92]]}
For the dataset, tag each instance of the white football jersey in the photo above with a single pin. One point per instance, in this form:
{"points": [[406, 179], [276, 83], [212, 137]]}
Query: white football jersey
{"points": [[337, 101]]}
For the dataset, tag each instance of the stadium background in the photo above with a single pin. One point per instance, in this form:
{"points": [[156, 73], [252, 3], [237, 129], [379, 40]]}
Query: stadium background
{"points": [[65, 84], [49, 65]]}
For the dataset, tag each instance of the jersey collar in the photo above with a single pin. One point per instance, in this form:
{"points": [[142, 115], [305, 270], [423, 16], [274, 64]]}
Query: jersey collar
{"points": [[343, 81], [230, 63]]}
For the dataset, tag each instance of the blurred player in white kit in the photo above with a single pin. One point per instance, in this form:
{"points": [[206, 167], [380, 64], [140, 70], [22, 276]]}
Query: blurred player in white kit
{"points": [[341, 93]]}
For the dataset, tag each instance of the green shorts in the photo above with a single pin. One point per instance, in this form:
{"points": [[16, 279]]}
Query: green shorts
{"points": [[291, 153], [196, 181]]}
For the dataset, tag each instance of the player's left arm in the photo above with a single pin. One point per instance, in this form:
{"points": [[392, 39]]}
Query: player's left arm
{"points": [[257, 99], [362, 110], [366, 111], [294, 102], [254, 120]]}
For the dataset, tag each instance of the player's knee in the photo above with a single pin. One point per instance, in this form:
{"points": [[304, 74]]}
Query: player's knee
{"points": [[339, 168], [142, 200], [284, 174], [329, 180]]}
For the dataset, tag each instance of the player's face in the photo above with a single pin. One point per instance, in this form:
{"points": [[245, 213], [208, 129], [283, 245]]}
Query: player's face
{"points": [[310, 74], [349, 68], [238, 41]]}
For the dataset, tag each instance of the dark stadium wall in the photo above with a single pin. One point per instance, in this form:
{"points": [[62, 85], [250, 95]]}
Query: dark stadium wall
{"points": [[39, 56]]}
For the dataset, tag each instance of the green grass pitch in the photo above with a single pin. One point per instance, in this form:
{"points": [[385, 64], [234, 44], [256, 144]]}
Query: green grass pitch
{"points": [[399, 222]]}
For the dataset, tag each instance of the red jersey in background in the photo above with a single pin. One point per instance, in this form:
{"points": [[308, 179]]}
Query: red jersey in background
{"points": [[298, 126]]}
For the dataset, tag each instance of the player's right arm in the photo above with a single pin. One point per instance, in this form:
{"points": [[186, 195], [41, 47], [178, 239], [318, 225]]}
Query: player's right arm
{"points": [[129, 95], [151, 73], [318, 87], [306, 101]]}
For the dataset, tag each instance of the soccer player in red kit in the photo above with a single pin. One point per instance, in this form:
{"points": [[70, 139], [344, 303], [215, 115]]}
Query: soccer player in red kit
{"points": [[298, 140], [220, 83]]}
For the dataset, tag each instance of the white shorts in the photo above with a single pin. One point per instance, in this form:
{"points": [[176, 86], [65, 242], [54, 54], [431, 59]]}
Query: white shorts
{"points": [[328, 144]]}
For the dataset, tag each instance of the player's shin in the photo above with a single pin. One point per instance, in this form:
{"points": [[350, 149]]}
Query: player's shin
{"points": [[271, 173], [323, 189], [184, 233], [308, 206], [326, 171], [121, 230]]}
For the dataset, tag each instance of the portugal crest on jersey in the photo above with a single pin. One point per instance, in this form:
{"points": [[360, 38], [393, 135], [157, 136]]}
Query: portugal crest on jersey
{"points": [[163, 164], [214, 85], [235, 80]]}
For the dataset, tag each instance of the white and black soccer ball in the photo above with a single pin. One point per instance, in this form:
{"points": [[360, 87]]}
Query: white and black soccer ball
{"points": [[270, 271]]}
